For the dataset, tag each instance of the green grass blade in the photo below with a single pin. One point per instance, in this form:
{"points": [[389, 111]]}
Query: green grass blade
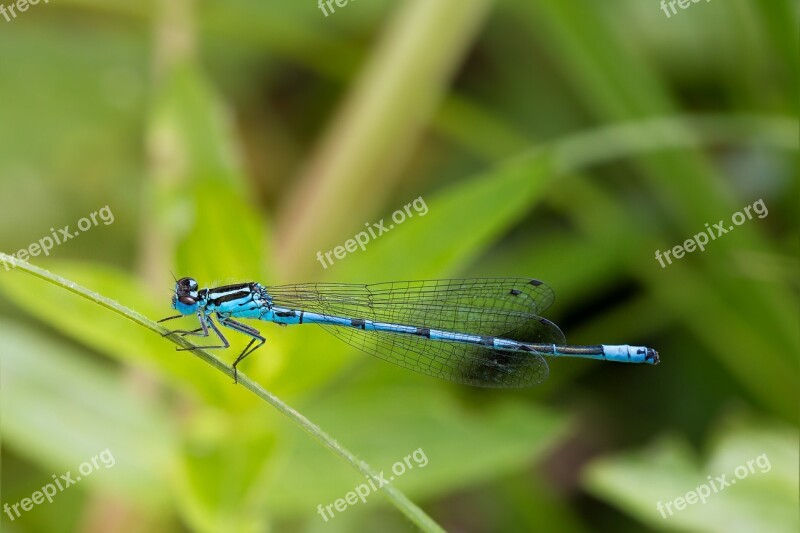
{"points": [[406, 506]]}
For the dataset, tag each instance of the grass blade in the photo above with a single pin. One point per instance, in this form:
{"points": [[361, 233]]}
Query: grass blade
{"points": [[406, 506]]}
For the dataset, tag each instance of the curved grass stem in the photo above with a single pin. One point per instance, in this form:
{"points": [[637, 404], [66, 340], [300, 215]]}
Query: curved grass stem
{"points": [[400, 500]]}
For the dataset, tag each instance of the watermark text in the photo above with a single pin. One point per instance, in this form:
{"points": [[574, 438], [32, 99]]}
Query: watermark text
{"points": [[699, 240], [48, 242], [702, 492], [11, 10], [341, 3], [669, 9], [374, 231], [373, 484], [59, 484]]}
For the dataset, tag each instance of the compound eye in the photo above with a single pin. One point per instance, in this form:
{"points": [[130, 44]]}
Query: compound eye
{"points": [[187, 300], [189, 283]]}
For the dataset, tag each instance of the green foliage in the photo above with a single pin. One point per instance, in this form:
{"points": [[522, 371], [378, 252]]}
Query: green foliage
{"points": [[566, 140], [761, 497]]}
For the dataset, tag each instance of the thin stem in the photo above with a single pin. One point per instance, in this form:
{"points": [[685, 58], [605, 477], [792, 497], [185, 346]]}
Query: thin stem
{"points": [[400, 500], [359, 158]]}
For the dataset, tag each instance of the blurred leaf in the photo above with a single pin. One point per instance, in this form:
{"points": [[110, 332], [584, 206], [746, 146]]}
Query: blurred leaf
{"points": [[222, 469], [378, 123], [443, 240], [763, 499], [60, 408], [464, 445], [197, 204], [773, 376]]}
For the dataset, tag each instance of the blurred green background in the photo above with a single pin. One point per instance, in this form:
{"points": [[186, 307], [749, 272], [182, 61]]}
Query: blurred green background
{"points": [[233, 140]]}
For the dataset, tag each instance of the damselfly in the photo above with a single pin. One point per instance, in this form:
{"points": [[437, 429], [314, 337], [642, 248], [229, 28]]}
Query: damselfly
{"points": [[487, 332]]}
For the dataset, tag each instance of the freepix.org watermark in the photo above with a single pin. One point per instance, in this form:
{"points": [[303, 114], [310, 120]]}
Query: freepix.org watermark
{"points": [[48, 242], [669, 9], [374, 231], [322, 3], [11, 10], [699, 241], [59, 484], [702, 492], [360, 493]]}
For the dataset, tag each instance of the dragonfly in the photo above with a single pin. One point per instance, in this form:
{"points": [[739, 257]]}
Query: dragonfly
{"points": [[485, 332]]}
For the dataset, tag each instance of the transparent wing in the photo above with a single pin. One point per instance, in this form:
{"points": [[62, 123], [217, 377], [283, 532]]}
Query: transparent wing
{"points": [[462, 363], [505, 307], [481, 306]]}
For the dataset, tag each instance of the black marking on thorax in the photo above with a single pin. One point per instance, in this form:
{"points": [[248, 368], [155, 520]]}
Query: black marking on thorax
{"points": [[234, 292]]}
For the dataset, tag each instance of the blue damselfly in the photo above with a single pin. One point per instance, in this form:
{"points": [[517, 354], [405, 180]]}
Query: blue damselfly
{"points": [[487, 332]]}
